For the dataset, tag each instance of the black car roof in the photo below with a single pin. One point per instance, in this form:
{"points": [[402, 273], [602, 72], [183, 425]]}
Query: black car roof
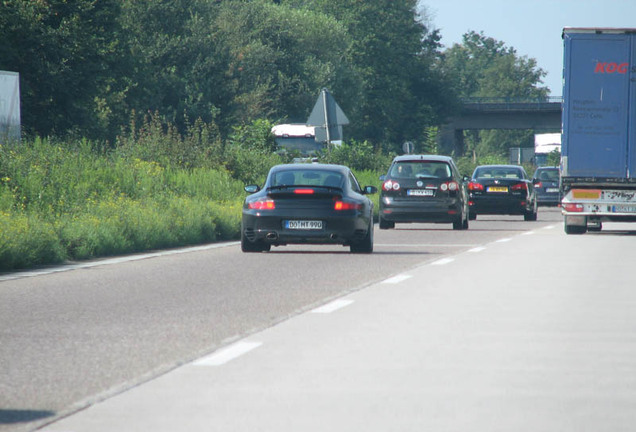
{"points": [[437, 158], [311, 166], [500, 166]]}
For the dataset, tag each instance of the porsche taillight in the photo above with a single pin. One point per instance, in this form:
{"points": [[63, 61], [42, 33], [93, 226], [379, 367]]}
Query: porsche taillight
{"points": [[264, 204], [346, 205]]}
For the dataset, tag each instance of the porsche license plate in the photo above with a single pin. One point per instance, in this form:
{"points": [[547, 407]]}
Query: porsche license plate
{"points": [[497, 189], [303, 224], [420, 192]]}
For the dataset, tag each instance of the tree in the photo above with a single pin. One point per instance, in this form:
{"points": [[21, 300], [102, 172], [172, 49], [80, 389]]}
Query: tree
{"points": [[484, 67], [396, 58], [68, 58]]}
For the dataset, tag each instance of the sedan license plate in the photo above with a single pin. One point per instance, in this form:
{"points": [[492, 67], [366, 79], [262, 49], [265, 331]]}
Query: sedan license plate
{"points": [[551, 190], [420, 192], [497, 189], [303, 224]]}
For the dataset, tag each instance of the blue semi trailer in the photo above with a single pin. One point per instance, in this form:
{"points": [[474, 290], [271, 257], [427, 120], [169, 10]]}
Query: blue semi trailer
{"points": [[598, 145]]}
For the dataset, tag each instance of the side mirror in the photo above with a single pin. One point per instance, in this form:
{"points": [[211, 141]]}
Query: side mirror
{"points": [[465, 178], [383, 177], [252, 188], [368, 190]]}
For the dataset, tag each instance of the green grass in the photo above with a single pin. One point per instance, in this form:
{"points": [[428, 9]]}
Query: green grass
{"points": [[70, 202]]}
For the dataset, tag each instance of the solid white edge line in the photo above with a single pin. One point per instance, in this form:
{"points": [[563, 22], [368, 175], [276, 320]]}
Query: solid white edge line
{"points": [[227, 354], [396, 279], [110, 261], [503, 240], [477, 249], [332, 307]]}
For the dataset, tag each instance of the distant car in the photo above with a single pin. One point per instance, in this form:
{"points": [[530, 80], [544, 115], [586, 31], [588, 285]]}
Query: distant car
{"points": [[423, 188], [502, 189], [546, 184], [308, 203]]}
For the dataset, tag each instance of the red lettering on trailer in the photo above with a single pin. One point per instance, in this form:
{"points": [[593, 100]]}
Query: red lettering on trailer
{"points": [[611, 67]]}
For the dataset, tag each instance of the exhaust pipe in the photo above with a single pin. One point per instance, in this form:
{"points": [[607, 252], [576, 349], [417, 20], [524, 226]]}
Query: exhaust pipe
{"points": [[271, 236]]}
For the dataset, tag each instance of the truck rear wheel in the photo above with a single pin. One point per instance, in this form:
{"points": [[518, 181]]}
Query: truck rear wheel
{"points": [[575, 229]]}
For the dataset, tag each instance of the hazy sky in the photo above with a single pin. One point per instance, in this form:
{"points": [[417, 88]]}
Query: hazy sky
{"points": [[532, 27]]}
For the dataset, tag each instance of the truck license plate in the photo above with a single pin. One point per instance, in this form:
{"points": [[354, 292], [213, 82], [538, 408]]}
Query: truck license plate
{"points": [[623, 209]]}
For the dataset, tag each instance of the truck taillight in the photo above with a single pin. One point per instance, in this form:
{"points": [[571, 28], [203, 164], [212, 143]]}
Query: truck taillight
{"points": [[573, 207]]}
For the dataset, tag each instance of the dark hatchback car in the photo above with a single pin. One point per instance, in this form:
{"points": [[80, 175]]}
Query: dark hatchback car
{"points": [[308, 203], [502, 189], [423, 188], [546, 185]]}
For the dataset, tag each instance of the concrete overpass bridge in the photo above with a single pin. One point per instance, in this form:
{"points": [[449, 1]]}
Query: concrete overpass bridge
{"points": [[541, 115]]}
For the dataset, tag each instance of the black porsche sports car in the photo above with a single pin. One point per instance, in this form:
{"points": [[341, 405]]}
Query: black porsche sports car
{"points": [[502, 189], [308, 203]]}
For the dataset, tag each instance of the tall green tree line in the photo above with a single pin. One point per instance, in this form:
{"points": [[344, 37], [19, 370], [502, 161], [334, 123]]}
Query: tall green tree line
{"points": [[90, 67]]}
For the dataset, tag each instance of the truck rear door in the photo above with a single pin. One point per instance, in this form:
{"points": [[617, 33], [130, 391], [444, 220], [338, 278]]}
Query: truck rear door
{"points": [[596, 117]]}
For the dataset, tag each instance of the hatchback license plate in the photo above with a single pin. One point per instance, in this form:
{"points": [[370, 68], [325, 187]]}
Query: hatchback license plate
{"points": [[552, 190], [420, 192], [303, 224]]}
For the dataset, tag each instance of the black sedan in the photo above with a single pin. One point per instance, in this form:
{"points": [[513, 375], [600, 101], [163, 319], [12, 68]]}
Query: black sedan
{"points": [[423, 188], [546, 183], [502, 189], [308, 203]]}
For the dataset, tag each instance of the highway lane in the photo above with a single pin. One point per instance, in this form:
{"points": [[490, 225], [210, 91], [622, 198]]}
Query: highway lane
{"points": [[68, 339], [545, 344]]}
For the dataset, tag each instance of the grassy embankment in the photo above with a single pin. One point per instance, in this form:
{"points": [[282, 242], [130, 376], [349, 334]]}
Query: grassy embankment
{"points": [[71, 202]]}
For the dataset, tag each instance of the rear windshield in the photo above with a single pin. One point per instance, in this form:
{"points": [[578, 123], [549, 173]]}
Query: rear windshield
{"points": [[496, 172], [307, 178], [420, 169], [547, 175]]}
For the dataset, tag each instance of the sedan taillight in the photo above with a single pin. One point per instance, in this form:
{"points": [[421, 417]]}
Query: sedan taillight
{"points": [[474, 186], [519, 187]]}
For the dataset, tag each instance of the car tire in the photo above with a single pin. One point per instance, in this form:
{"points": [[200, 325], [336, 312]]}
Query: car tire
{"points": [[531, 215], [462, 222], [472, 216], [257, 246], [366, 244], [385, 224]]}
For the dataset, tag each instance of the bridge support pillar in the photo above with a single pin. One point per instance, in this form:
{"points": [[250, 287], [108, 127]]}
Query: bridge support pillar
{"points": [[451, 141]]}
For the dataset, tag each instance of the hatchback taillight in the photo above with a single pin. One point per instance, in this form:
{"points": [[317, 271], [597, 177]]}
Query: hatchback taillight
{"points": [[390, 185], [451, 186]]}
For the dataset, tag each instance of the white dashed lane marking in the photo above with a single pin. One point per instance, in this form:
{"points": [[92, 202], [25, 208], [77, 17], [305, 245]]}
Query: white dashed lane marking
{"points": [[227, 354]]}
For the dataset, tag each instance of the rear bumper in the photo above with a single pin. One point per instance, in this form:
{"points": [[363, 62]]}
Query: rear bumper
{"points": [[435, 210], [507, 206], [336, 230]]}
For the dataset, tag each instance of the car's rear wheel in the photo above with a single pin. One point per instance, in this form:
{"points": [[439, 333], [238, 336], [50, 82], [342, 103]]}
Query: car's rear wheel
{"points": [[366, 244], [257, 246], [472, 216], [385, 224], [575, 229]]}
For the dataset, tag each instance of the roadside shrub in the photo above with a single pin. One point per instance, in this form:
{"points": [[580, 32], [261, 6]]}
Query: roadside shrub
{"points": [[27, 241]]}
